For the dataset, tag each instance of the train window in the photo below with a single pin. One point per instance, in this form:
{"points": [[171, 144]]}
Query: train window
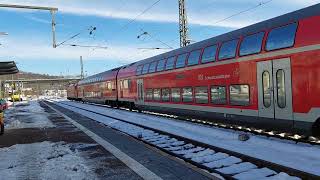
{"points": [[170, 63], [121, 84], [152, 67], [109, 86], [175, 94], [181, 60], [239, 95], [209, 54], [251, 44], [281, 37], [125, 84], [266, 89], [160, 66], [281, 90], [218, 95], [129, 84], [193, 58], [145, 69], [201, 94], [156, 94], [149, 94], [228, 49], [139, 69], [113, 85], [187, 94], [165, 95]]}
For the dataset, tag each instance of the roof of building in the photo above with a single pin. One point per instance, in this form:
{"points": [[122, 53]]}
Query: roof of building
{"points": [[8, 67]]}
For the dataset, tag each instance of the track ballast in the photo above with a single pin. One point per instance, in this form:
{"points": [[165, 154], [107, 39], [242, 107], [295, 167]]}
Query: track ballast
{"points": [[229, 164]]}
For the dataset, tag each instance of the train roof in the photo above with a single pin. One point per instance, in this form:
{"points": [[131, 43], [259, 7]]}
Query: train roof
{"points": [[261, 26], [103, 76]]}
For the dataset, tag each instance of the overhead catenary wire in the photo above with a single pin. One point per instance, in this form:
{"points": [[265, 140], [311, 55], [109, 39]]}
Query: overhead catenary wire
{"points": [[140, 14], [86, 46], [126, 25], [154, 38], [91, 30], [241, 12], [153, 48]]}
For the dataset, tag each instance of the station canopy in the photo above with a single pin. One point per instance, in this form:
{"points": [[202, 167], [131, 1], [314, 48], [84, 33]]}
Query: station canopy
{"points": [[8, 67]]}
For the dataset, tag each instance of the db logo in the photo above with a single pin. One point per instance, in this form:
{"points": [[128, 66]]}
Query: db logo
{"points": [[200, 77], [236, 72]]}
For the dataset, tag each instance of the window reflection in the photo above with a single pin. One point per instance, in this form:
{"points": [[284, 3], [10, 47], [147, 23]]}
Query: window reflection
{"points": [[201, 94], [266, 89], [239, 95], [218, 95], [281, 91]]}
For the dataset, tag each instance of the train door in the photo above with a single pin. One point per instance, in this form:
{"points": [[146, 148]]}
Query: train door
{"points": [[274, 89], [140, 91]]}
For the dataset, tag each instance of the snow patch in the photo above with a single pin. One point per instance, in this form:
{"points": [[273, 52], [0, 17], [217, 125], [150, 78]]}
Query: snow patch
{"points": [[45, 160], [27, 115]]}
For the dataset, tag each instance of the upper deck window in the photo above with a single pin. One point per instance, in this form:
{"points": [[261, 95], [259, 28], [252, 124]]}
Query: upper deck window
{"points": [[251, 44], [152, 67], [139, 69], [209, 54], [170, 63], [194, 57], [181, 60], [281, 37], [228, 49], [145, 69], [160, 66]]}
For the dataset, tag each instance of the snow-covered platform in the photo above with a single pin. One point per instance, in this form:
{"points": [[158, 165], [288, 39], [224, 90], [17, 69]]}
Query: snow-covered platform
{"points": [[40, 143]]}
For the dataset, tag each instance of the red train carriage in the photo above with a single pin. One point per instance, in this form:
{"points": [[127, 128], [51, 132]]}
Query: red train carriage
{"points": [[99, 88], [266, 74], [72, 92], [127, 86]]}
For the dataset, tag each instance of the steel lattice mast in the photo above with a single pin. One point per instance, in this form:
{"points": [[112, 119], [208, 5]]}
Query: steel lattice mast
{"points": [[183, 24]]}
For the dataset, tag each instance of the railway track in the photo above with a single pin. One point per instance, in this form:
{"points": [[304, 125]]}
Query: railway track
{"points": [[296, 138], [228, 164]]}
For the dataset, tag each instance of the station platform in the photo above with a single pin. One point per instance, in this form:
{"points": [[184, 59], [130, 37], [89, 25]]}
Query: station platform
{"points": [[114, 156]]}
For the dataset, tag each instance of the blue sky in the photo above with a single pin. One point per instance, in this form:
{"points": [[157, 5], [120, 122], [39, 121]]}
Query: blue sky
{"points": [[29, 42]]}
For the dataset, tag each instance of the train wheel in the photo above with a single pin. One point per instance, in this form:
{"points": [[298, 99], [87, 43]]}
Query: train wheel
{"points": [[316, 129], [130, 106]]}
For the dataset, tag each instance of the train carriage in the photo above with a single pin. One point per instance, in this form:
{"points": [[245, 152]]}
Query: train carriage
{"points": [[127, 86], [99, 88], [265, 75], [72, 92]]}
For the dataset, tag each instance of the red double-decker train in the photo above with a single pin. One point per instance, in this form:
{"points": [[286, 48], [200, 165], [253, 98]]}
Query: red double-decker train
{"points": [[265, 75]]}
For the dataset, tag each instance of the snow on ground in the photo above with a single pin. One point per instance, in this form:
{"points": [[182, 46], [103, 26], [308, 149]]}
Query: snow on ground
{"points": [[299, 156], [26, 115], [43, 160]]}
